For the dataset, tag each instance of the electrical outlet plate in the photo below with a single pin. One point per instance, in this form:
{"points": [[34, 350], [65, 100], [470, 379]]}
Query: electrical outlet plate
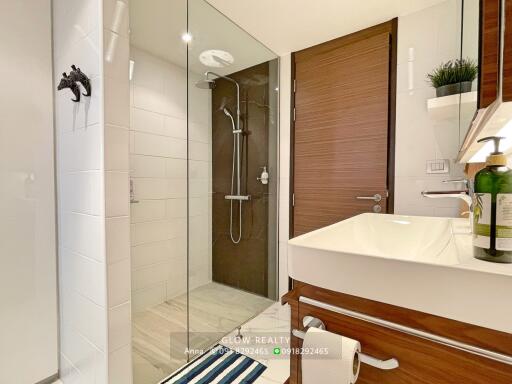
{"points": [[438, 166]]}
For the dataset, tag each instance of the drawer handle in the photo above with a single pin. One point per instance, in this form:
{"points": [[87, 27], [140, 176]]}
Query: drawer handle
{"points": [[313, 322]]}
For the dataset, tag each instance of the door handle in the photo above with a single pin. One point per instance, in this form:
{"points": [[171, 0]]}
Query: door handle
{"points": [[375, 198]]}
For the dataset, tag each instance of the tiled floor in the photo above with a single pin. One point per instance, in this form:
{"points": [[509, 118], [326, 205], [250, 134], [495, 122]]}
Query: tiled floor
{"points": [[159, 334], [262, 335]]}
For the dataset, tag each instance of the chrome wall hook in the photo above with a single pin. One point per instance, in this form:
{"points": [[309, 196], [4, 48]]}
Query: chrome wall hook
{"points": [[313, 322]]}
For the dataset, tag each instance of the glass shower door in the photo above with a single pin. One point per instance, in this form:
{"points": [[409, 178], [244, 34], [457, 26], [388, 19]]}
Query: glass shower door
{"points": [[232, 169], [158, 163]]}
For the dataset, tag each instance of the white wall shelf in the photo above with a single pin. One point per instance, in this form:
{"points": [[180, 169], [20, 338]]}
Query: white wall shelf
{"points": [[447, 107]]}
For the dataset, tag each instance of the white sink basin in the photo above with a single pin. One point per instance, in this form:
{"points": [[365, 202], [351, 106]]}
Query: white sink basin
{"points": [[421, 239], [421, 263]]}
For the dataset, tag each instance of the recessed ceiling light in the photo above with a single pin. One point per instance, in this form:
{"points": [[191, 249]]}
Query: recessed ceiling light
{"points": [[186, 37], [216, 58]]}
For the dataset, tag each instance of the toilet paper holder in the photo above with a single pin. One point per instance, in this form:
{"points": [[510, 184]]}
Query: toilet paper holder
{"points": [[313, 322]]}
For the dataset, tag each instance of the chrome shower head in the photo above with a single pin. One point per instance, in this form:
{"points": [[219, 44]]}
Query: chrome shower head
{"points": [[206, 84]]}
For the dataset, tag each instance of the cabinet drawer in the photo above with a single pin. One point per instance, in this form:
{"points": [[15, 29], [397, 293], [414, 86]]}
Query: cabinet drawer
{"points": [[421, 361]]}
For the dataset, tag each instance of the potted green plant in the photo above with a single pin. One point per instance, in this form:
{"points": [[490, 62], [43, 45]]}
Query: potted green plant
{"points": [[455, 76]]}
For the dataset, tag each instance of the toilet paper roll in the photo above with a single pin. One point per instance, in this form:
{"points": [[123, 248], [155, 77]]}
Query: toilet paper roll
{"points": [[328, 358]]}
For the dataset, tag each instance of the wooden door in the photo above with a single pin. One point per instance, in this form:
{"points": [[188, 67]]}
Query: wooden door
{"points": [[344, 128]]}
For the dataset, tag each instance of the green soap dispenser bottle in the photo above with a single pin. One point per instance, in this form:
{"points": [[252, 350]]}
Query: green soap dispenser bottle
{"points": [[492, 208]]}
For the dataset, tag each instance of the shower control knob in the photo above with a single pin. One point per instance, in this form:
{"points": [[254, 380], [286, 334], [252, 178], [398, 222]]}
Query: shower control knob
{"points": [[264, 176]]}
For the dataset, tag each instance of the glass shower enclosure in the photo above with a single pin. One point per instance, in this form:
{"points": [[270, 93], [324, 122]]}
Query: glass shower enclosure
{"points": [[203, 159]]}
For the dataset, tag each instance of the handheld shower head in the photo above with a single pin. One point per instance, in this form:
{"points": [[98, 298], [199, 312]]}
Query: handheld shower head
{"points": [[227, 112]]}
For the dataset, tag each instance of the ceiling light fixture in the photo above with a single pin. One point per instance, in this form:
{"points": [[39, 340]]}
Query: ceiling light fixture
{"points": [[186, 37], [216, 58]]}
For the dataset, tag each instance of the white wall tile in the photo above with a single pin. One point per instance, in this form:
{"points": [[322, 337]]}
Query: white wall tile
{"points": [[87, 275], [159, 171], [119, 326], [176, 168], [87, 317], [199, 169], [116, 53], [116, 16], [177, 208], [147, 298], [76, 20], [89, 361], [148, 210], [157, 230], [151, 275], [177, 188], [120, 366], [83, 234], [147, 166], [148, 122], [199, 151], [151, 145], [117, 144], [175, 127], [81, 192], [198, 206], [87, 142], [117, 238], [147, 254], [150, 188], [117, 194], [148, 99], [177, 148], [119, 286], [117, 102]]}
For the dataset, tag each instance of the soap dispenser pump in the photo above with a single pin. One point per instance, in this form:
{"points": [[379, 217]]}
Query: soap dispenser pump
{"points": [[492, 207]]}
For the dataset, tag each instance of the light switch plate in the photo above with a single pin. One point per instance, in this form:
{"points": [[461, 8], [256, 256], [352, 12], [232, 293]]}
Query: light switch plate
{"points": [[438, 166]]}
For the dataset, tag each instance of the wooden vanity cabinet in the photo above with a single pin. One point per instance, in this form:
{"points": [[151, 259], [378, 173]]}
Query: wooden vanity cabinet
{"points": [[421, 361]]}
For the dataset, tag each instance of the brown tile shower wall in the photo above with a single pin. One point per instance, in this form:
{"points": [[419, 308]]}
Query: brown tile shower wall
{"points": [[243, 265]]}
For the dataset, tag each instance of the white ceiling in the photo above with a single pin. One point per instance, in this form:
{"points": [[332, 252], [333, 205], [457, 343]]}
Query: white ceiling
{"points": [[156, 26], [291, 25]]}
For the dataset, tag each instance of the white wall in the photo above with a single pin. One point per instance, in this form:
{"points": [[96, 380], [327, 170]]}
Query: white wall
{"points": [[284, 169], [28, 272], [93, 209], [158, 159], [435, 38]]}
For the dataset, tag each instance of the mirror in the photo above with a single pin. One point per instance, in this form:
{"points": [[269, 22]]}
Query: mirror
{"points": [[470, 52]]}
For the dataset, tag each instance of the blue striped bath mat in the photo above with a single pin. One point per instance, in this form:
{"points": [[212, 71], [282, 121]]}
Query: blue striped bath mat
{"points": [[219, 365]]}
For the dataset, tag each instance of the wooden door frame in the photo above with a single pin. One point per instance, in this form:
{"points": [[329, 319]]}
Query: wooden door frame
{"points": [[391, 27]]}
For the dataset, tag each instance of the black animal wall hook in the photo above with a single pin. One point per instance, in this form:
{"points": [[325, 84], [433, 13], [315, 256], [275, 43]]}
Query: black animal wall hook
{"points": [[77, 75], [68, 82]]}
